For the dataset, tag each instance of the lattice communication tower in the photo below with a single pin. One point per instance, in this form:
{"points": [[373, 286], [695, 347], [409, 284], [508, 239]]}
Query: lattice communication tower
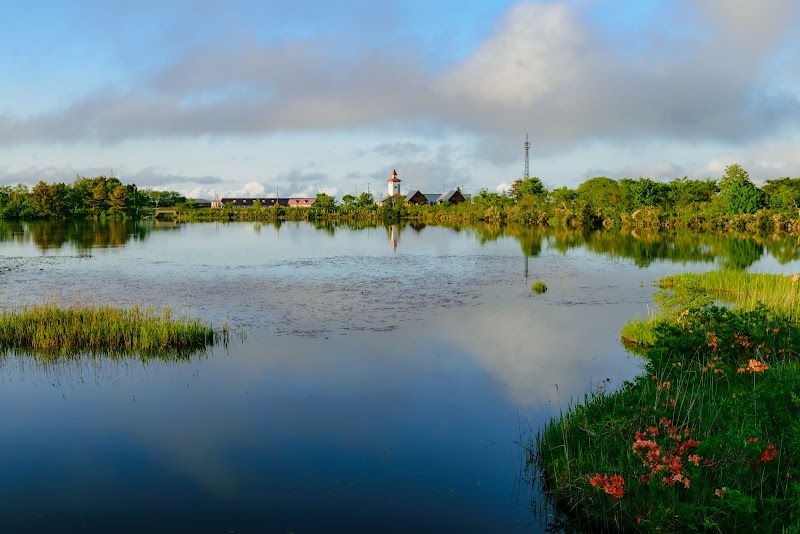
{"points": [[527, 146]]}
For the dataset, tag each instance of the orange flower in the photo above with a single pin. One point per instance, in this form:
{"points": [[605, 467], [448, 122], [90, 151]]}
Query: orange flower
{"points": [[615, 487], [769, 454], [754, 366], [598, 480], [720, 492]]}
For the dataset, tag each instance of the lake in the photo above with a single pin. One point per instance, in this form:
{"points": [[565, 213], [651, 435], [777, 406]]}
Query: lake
{"points": [[378, 379]]}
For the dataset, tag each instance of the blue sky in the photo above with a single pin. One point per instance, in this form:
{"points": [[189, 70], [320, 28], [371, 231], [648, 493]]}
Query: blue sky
{"points": [[265, 97]]}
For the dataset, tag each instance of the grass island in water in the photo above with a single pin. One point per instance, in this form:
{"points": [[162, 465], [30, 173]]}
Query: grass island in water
{"points": [[52, 330], [708, 438]]}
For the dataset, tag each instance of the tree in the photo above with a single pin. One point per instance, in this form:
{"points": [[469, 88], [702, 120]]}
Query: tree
{"points": [[118, 200], [600, 192], [349, 201], [738, 193], [526, 187], [684, 192], [365, 199], [98, 200], [15, 202], [486, 198], [325, 201], [563, 197], [783, 195], [643, 192], [50, 200]]}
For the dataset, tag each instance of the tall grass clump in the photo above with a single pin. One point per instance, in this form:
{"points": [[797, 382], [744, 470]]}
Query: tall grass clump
{"points": [[539, 287], [53, 330], [707, 439], [746, 290]]}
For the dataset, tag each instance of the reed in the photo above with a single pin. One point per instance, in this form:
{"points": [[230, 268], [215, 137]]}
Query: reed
{"points": [[745, 290], [54, 330]]}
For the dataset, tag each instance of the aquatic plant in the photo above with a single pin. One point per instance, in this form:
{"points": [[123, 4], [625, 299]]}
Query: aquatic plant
{"points": [[53, 330], [539, 287]]}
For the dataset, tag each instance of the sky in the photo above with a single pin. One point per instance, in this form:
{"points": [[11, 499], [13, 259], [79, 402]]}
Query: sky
{"points": [[267, 97]]}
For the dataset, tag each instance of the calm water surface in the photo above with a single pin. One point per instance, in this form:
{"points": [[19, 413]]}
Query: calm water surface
{"points": [[385, 378]]}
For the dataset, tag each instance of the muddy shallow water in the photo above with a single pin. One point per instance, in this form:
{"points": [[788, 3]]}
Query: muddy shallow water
{"points": [[381, 381]]}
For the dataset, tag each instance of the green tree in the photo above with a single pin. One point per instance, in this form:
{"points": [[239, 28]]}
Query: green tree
{"points": [[600, 191], [563, 197], [15, 203], [783, 195], [738, 193], [349, 201], [79, 194], [598, 198], [684, 192], [526, 187], [365, 199], [325, 201], [643, 193], [487, 199]]}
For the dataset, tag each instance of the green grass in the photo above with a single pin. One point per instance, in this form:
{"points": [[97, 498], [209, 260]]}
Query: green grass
{"points": [[717, 402], [745, 291], [779, 292], [52, 330]]}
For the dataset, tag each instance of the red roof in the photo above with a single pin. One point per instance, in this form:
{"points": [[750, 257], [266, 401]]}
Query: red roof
{"points": [[394, 177]]}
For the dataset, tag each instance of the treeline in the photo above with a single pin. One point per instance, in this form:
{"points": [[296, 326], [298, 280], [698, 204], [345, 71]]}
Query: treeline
{"points": [[732, 203], [85, 197]]}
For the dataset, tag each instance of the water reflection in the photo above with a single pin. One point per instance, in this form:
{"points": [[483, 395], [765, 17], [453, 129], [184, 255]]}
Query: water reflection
{"points": [[373, 381], [82, 235]]}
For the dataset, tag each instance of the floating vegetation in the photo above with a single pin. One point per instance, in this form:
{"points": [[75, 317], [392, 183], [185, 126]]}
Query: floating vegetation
{"points": [[55, 331], [539, 287]]}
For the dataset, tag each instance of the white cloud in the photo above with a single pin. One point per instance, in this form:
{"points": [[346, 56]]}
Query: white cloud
{"points": [[534, 51], [251, 189]]}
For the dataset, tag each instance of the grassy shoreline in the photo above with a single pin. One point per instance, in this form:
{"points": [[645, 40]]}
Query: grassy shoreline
{"points": [[707, 438], [52, 331]]}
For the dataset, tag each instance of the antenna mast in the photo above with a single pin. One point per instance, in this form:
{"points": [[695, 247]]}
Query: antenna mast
{"points": [[527, 146]]}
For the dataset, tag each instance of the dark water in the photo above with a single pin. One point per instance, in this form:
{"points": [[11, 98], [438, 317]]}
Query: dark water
{"points": [[383, 383]]}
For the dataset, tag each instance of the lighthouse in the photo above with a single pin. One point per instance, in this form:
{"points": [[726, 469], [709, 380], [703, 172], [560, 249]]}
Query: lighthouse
{"points": [[394, 185]]}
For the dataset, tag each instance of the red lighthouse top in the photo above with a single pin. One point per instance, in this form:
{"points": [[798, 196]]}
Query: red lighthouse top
{"points": [[394, 177]]}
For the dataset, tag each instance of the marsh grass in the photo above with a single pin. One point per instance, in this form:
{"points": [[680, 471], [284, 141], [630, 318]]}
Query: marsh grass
{"points": [[539, 287], [707, 439], [692, 291], [52, 330], [745, 290]]}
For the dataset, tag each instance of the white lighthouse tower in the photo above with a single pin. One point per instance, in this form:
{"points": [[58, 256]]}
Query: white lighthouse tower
{"points": [[394, 185]]}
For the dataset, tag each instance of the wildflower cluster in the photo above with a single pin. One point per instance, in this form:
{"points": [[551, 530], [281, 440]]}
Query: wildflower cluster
{"points": [[613, 485], [667, 462], [754, 366]]}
